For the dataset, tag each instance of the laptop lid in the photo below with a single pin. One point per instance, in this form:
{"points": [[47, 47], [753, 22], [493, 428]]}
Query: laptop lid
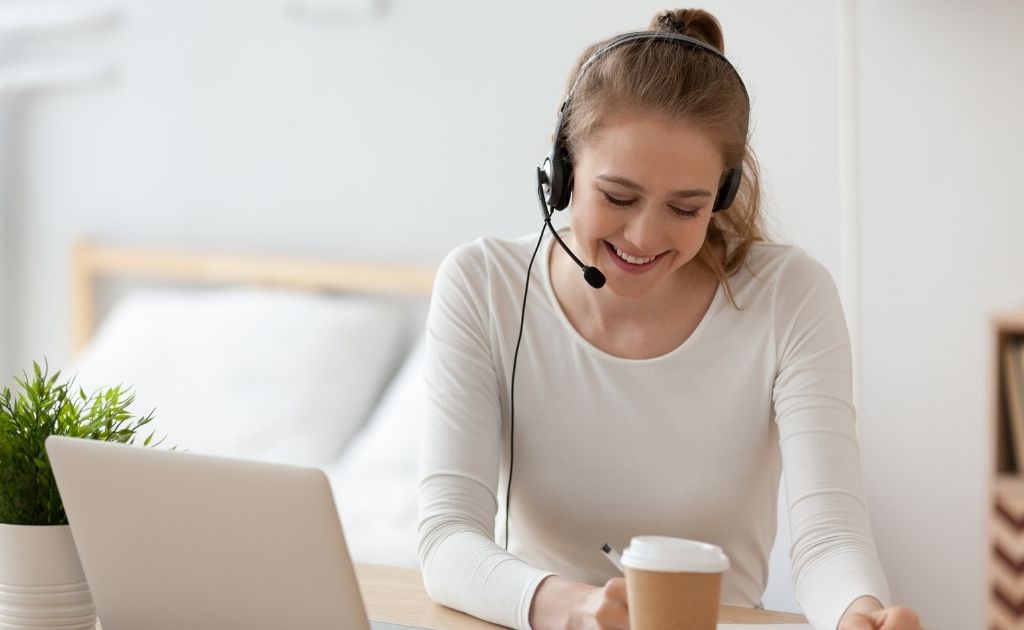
{"points": [[171, 539]]}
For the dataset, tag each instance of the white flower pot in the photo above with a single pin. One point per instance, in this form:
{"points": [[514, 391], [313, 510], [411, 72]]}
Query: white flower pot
{"points": [[42, 585]]}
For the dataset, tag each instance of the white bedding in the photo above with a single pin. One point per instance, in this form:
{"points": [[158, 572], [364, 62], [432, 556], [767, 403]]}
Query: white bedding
{"points": [[271, 375], [284, 377], [375, 479]]}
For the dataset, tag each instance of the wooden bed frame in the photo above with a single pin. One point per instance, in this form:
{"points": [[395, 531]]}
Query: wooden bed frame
{"points": [[92, 262]]}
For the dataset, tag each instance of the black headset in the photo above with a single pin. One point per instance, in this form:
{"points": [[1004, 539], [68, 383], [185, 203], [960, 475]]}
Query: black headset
{"points": [[556, 174], [554, 190]]}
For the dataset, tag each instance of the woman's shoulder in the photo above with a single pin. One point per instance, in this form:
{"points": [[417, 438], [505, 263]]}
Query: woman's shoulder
{"points": [[485, 264], [779, 276], [782, 263], [480, 278]]}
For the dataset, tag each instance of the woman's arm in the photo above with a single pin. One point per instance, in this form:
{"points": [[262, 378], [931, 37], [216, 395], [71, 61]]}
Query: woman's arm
{"points": [[462, 566], [833, 553]]}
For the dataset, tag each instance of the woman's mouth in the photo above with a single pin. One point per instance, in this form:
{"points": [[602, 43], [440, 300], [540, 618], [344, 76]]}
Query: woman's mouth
{"points": [[631, 263]]}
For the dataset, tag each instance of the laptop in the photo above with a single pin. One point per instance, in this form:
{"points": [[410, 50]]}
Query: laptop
{"points": [[171, 539]]}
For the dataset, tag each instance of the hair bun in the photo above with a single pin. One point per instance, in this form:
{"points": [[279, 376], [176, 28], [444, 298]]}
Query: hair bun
{"points": [[695, 23], [668, 21]]}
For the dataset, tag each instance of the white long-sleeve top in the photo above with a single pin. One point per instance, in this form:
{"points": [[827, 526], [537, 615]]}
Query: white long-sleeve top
{"points": [[687, 444]]}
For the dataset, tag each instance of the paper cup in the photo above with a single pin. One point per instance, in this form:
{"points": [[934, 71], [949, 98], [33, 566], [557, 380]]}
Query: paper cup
{"points": [[673, 583]]}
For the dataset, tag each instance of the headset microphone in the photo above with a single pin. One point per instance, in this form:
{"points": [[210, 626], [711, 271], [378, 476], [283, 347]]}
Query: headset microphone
{"points": [[592, 275]]}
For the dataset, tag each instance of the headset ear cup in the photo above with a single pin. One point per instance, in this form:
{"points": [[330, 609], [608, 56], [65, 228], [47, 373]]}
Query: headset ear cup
{"points": [[729, 188], [567, 193], [560, 167], [561, 176]]}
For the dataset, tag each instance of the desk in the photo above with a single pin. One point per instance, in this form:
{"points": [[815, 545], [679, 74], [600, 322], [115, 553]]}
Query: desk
{"points": [[396, 595]]}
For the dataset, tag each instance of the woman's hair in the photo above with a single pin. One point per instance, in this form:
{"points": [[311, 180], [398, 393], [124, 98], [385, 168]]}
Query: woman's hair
{"points": [[686, 84]]}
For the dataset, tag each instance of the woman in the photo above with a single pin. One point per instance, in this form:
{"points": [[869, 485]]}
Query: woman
{"points": [[665, 402]]}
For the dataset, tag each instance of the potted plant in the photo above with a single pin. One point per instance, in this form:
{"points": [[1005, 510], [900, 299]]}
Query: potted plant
{"points": [[41, 579]]}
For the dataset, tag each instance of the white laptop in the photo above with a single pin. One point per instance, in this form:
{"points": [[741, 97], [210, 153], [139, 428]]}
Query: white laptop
{"points": [[171, 539]]}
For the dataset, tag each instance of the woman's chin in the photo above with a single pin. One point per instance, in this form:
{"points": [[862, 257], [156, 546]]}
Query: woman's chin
{"points": [[627, 288]]}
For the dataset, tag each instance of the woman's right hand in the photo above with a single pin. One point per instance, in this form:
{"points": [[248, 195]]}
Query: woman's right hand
{"points": [[604, 608], [560, 603]]}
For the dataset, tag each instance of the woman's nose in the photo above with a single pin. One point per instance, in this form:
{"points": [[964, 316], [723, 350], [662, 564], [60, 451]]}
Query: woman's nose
{"points": [[643, 230]]}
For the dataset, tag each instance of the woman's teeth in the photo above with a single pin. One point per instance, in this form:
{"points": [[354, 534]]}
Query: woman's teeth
{"points": [[632, 259]]}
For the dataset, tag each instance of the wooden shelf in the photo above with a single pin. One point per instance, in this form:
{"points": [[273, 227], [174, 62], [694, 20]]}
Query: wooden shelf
{"points": [[1005, 516]]}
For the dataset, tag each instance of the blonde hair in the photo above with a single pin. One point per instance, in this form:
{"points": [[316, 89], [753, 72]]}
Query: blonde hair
{"points": [[681, 83]]}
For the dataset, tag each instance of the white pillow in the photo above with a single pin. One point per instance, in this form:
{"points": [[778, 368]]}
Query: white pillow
{"points": [[263, 374], [375, 481]]}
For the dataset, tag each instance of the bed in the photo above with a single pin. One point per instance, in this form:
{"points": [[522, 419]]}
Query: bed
{"points": [[288, 360]]}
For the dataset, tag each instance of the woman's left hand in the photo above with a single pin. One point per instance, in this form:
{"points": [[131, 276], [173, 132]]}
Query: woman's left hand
{"points": [[893, 618]]}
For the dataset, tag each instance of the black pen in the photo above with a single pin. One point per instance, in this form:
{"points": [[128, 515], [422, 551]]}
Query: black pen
{"points": [[613, 556]]}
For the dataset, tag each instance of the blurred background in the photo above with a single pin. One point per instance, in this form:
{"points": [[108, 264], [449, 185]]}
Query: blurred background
{"points": [[391, 131]]}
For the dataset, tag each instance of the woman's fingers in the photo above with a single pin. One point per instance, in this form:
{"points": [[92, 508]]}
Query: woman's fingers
{"points": [[898, 618], [859, 621], [613, 613]]}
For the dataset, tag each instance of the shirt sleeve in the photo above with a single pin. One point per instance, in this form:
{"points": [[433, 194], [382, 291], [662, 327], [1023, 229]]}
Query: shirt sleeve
{"points": [[833, 553], [462, 566]]}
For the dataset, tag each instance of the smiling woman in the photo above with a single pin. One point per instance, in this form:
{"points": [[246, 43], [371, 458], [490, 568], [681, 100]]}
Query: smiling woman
{"points": [[668, 400], [628, 207], [672, 84]]}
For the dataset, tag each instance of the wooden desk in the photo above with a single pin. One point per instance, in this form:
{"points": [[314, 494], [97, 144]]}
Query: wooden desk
{"points": [[396, 595]]}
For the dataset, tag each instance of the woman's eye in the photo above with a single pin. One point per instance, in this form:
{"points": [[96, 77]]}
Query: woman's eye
{"points": [[616, 201], [685, 213]]}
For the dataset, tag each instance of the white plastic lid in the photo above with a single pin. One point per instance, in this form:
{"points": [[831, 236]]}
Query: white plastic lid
{"points": [[678, 555]]}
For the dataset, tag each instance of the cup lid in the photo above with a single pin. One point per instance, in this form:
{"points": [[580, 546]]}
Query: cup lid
{"points": [[665, 553]]}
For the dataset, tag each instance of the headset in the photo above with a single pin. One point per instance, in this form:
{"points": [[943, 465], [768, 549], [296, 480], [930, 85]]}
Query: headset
{"points": [[554, 190]]}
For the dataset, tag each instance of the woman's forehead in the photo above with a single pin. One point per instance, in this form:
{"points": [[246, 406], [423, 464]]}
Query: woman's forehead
{"points": [[650, 145]]}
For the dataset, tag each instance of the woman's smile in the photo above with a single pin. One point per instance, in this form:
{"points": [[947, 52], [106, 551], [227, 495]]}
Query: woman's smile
{"points": [[632, 264]]}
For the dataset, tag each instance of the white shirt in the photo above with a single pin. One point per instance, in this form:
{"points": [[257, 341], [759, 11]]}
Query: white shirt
{"points": [[688, 444]]}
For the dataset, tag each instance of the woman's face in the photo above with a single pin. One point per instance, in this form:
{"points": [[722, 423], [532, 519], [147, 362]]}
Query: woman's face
{"points": [[641, 201]]}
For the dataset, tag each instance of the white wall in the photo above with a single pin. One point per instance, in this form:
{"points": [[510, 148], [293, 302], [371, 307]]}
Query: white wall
{"points": [[5, 236], [941, 133], [394, 138]]}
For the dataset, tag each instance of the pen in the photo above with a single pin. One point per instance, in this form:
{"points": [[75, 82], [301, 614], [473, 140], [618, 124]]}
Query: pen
{"points": [[613, 556]]}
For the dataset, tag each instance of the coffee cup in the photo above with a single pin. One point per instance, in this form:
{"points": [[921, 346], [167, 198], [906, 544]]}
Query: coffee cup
{"points": [[673, 583]]}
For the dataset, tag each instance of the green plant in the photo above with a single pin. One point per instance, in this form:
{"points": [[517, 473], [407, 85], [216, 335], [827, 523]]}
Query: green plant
{"points": [[44, 407]]}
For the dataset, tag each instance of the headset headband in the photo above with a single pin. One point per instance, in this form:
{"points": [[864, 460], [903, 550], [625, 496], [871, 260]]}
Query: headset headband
{"points": [[637, 36]]}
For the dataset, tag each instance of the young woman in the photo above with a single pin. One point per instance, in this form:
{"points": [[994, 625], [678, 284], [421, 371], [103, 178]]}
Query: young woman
{"points": [[667, 401]]}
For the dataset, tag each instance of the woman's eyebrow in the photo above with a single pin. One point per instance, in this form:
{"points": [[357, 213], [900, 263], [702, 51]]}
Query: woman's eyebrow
{"points": [[628, 183]]}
